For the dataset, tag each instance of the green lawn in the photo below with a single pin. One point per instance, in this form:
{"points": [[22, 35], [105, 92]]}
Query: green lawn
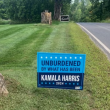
{"points": [[19, 45]]}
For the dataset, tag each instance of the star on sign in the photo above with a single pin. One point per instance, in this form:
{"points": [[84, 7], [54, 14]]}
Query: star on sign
{"points": [[51, 57], [46, 57], [41, 57], [80, 57], [70, 57], [55, 57], [75, 57], [60, 57], [65, 57]]}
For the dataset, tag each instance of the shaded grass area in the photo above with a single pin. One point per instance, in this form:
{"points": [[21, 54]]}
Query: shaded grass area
{"points": [[106, 21], [18, 65]]}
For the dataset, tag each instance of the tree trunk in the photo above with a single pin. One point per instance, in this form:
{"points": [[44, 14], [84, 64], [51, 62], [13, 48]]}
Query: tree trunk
{"points": [[57, 9]]}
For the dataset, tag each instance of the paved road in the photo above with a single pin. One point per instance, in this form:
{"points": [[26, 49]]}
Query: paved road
{"points": [[100, 34]]}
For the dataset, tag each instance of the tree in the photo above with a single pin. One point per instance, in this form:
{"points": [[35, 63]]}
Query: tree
{"points": [[58, 5], [27, 10], [100, 9], [80, 11], [3, 14], [30, 10]]}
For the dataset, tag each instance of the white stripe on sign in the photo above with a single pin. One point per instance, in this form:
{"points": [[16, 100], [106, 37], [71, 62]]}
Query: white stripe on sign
{"points": [[105, 47]]}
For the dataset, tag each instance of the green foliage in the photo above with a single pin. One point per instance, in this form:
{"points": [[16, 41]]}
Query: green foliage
{"points": [[66, 8], [2, 21], [100, 9], [27, 10], [91, 10], [80, 11], [3, 14]]}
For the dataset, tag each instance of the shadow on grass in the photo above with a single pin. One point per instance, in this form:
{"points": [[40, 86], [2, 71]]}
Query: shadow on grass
{"points": [[14, 86]]}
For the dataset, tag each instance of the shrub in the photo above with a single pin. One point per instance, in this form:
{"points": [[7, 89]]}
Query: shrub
{"points": [[2, 21]]}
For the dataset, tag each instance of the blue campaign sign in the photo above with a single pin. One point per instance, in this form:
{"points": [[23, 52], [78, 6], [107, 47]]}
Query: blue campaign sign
{"points": [[59, 70]]}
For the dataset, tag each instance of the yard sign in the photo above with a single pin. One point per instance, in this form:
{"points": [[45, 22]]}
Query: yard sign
{"points": [[64, 18], [58, 70]]}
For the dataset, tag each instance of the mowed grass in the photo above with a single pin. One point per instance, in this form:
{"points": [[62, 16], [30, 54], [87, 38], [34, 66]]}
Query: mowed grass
{"points": [[19, 45]]}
